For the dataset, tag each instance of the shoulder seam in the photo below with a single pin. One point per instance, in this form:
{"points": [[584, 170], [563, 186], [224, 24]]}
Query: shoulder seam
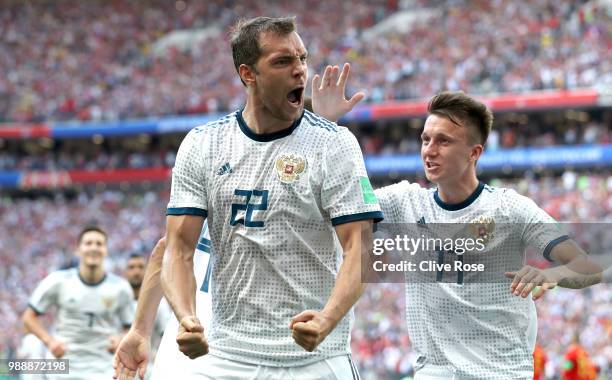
{"points": [[320, 122]]}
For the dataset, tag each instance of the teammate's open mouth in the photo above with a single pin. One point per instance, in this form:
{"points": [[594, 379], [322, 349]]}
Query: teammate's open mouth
{"points": [[295, 96]]}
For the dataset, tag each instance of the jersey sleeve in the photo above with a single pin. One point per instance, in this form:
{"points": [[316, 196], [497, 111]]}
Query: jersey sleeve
{"points": [[46, 293], [391, 200], [126, 309], [188, 192], [539, 230], [346, 192]]}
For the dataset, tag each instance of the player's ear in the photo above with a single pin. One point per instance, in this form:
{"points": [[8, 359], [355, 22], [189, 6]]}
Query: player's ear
{"points": [[247, 74], [476, 152]]}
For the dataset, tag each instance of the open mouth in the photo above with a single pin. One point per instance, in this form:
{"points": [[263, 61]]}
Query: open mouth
{"points": [[295, 96], [431, 165]]}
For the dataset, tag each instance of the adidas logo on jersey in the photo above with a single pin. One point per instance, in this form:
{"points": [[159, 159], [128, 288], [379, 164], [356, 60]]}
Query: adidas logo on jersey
{"points": [[225, 169], [421, 222]]}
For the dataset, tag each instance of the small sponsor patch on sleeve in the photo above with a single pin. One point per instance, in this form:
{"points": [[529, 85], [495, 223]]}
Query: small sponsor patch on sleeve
{"points": [[369, 197]]}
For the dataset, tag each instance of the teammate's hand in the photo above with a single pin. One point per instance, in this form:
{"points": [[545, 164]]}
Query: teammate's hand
{"points": [[57, 348], [131, 356], [528, 278], [328, 98], [190, 338], [113, 342], [310, 328]]}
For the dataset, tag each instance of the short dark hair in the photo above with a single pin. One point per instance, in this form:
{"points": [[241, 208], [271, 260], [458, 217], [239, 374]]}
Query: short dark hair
{"points": [[91, 229], [136, 256], [462, 109], [245, 37]]}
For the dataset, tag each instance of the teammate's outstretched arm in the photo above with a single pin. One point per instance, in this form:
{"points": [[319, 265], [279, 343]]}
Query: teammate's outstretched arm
{"points": [[310, 327], [576, 272], [133, 352], [328, 93], [179, 284]]}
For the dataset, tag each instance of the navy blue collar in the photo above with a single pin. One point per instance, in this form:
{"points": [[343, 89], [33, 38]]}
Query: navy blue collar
{"points": [[265, 137], [461, 205], [90, 283]]}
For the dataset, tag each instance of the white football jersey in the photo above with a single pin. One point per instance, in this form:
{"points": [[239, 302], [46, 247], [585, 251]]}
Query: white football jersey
{"points": [[272, 202], [169, 361], [87, 316], [473, 325]]}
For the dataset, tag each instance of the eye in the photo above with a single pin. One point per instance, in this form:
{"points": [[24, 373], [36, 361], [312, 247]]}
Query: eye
{"points": [[303, 59]]}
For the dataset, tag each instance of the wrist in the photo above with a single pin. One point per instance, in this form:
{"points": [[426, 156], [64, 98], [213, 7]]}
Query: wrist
{"points": [[330, 320]]}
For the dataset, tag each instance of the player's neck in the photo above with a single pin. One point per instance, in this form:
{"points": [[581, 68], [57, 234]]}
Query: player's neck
{"points": [[260, 121], [91, 275], [457, 192]]}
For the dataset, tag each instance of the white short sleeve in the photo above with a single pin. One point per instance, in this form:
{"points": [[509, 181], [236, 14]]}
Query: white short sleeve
{"points": [[346, 193], [540, 230], [188, 194], [46, 293], [126, 306]]}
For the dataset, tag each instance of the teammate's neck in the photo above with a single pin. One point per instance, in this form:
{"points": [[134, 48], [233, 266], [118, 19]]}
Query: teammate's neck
{"points": [[260, 121], [457, 192], [91, 275]]}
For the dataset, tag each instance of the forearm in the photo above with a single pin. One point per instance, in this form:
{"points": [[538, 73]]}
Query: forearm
{"points": [[178, 280], [348, 287], [151, 293], [578, 273], [32, 323], [568, 278]]}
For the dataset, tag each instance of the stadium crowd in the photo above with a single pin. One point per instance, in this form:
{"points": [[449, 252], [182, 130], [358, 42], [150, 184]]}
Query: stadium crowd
{"points": [[385, 138], [69, 59], [135, 221]]}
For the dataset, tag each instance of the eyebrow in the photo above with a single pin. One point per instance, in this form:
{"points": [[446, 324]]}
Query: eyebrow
{"points": [[438, 135]]}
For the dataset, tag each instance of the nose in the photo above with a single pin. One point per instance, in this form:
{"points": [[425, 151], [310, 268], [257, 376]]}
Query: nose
{"points": [[429, 150], [299, 69]]}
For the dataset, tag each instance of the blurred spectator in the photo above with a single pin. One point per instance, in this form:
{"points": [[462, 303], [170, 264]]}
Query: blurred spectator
{"points": [[95, 60]]}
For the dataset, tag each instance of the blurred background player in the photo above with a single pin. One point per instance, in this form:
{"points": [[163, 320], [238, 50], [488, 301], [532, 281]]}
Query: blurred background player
{"points": [[93, 307], [256, 172], [539, 363], [577, 364]]}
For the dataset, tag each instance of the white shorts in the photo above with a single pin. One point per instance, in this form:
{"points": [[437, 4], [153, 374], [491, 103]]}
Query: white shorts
{"points": [[213, 367]]}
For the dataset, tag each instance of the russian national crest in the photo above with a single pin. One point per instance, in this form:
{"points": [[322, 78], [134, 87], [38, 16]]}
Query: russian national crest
{"points": [[108, 302], [483, 228], [289, 167]]}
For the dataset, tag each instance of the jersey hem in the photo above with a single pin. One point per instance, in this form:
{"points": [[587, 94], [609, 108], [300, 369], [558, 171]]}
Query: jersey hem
{"points": [[259, 361], [187, 211], [376, 215]]}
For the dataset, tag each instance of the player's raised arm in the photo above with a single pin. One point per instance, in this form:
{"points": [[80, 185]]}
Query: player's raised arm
{"points": [[328, 93], [310, 327], [133, 352]]}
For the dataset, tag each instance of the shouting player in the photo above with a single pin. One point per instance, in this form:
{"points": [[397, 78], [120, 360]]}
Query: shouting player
{"points": [[93, 307], [277, 180]]}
